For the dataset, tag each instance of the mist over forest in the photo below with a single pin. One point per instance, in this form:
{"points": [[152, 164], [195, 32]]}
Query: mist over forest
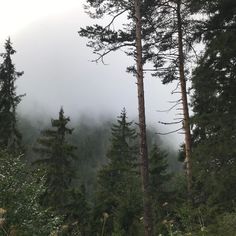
{"points": [[117, 118], [58, 71]]}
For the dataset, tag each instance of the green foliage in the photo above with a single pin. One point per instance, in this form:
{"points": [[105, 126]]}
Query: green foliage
{"points": [[91, 139], [118, 193], [10, 138], [56, 159], [78, 211], [164, 38], [64, 185], [21, 188], [226, 225], [214, 104], [160, 188], [106, 39]]}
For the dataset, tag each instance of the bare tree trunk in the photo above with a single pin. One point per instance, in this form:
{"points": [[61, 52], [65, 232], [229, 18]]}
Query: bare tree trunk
{"points": [[148, 228], [186, 123]]}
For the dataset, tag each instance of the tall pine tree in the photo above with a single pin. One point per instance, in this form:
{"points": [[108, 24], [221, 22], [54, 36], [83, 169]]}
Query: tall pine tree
{"points": [[132, 35], [10, 138]]}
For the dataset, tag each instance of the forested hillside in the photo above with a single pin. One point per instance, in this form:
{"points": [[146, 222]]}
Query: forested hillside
{"points": [[118, 177]]}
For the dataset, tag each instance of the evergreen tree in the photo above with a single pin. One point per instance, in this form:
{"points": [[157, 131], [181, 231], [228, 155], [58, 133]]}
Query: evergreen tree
{"points": [[132, 35], [78, 212], [10, 138], [57, 155], [173, 35], [118, 189], [159, 180], [214, 103]]}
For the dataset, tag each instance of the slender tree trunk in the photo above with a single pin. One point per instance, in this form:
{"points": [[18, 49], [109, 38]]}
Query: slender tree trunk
{"points": [[148, 229], [186, 123]]}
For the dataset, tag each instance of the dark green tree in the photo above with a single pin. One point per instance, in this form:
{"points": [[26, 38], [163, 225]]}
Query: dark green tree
{"points": [[118, 193], [160, 187], [133, 36], [56, 157], [214, 106], [78, 212], [10, 138]]}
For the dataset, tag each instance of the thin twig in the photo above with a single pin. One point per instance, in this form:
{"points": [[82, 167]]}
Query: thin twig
{"points": [[171, 132]]}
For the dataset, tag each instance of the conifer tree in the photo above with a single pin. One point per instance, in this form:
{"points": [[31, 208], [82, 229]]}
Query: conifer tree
{"points": [[118, 188], [10, 138], [159, 179], [173, 37], [214, 102], [56, 158], [132, 36]]}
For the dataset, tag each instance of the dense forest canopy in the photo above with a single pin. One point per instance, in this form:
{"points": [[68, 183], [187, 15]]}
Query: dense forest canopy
{"points": [[118, 177]]}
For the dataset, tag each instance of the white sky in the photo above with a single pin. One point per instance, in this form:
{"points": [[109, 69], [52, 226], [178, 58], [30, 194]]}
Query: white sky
{"points": [[57, 66], [18, 14]]}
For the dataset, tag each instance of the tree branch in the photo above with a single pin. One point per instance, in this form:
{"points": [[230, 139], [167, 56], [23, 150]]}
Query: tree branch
{"points": [[101, 55], [171, 132]]}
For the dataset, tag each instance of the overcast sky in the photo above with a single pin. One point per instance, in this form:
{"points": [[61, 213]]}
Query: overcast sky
{"points": [[58, 68]]}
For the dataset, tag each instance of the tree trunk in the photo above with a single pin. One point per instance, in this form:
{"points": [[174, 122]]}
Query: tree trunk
{"points": [[186, 124], [148, 229]]}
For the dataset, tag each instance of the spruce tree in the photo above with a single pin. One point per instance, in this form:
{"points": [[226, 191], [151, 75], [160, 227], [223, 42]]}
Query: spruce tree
{"points": [[10, 137], [214, 103], [159, 186], [118, 188], [56, 158]]}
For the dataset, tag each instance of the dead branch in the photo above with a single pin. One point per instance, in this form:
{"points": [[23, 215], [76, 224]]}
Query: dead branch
{"points": [[171, 132], [170, 123], [171, 108]]}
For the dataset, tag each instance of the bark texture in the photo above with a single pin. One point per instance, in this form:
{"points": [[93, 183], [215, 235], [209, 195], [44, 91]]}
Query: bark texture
{"points": [[148, 228], [186, 124]]}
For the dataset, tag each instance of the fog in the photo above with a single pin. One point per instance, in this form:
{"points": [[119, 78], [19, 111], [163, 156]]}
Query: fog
{"points": [[59, 72]]}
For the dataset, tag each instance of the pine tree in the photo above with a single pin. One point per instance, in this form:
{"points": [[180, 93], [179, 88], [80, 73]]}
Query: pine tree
{"points": [[118, 188], [173, 35], [10, 137], [56, 158], [105, 40]]}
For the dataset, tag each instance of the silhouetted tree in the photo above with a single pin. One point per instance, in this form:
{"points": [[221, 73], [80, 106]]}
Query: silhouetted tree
{"points": [[56, 158], [10, 138], [118, 192]]}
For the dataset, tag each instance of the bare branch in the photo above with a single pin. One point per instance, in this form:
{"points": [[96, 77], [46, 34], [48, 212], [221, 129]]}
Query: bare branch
{"points": [[171, 132], [177, 86], [113, 19], [179, 119], [193, 49], [175, 101], [170, 123], [158, 69], [171, 108]]}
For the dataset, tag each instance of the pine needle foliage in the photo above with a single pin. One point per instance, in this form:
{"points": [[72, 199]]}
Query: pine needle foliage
{"points": [[56, 157], [10, 137]]}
